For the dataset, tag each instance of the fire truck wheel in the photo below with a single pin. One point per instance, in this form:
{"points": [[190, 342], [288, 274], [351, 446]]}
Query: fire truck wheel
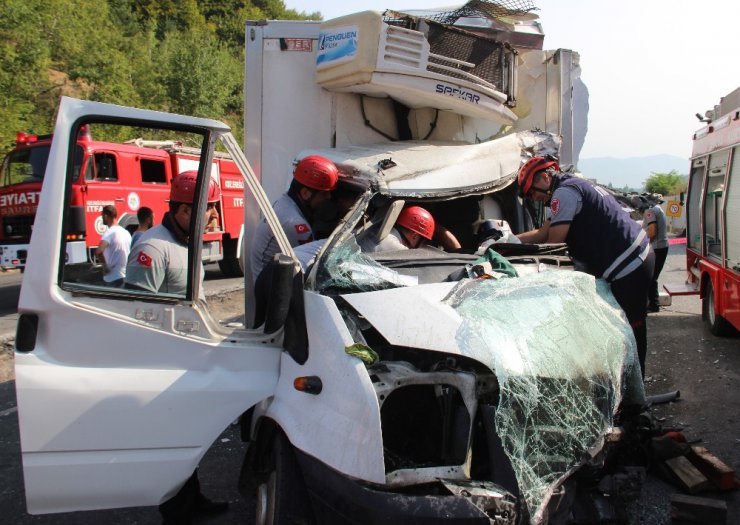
{"points": [[718, 325], [230, 265], [282, 499]]}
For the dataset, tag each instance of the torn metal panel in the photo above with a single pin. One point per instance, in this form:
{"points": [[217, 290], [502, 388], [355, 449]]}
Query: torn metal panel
{"points": [[496, 502], [420, 319], [439, 169], [552, 97]]}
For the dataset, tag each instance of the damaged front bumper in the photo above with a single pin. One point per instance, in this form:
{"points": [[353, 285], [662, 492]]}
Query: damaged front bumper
{"points": [[338, 499]]}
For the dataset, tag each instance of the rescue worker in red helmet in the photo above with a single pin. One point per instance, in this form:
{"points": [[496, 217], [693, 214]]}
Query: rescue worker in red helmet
{"points": [[314, 178], [413, 225], [601, 236], [158, 263]]}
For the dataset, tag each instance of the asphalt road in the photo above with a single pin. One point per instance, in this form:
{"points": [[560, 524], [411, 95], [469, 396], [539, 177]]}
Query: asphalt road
{"points": [[682, 355]]}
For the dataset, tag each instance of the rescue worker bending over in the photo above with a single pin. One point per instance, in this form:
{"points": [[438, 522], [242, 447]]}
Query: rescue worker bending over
{"points": [[159, 260], [314, 178], [413, 225], [599, 234]]}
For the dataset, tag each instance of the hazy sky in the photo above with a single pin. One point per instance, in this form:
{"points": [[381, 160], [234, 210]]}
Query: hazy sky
{"points": [[649, 65]]}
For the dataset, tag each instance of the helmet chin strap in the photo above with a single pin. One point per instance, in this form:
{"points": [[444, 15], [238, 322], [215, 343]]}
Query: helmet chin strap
{"points": [[405, 233], [549, 191], [551, 188]]}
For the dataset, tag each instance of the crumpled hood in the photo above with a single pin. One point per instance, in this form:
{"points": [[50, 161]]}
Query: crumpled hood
{"points": [[516, 327], [417, 318]]}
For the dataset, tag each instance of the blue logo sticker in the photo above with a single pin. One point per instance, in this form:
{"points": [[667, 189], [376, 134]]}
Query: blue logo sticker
{"points": [[339, 44]]}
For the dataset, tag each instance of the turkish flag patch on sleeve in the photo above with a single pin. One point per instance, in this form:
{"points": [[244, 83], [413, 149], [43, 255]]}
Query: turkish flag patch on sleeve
{"points": [[555, 206], [301, 228], [144, 260]]}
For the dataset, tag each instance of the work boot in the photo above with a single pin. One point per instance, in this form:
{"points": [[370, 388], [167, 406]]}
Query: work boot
{"points": [[654, 308]]}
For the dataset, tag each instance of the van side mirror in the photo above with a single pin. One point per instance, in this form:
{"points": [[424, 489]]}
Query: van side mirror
{"points": [[281, 289], [681, 198], [279, 301]]}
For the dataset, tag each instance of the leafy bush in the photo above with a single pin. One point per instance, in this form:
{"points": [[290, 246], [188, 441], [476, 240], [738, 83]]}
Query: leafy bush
{"points": [[670, 183]]}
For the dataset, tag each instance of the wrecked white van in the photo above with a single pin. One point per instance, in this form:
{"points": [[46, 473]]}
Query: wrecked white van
{"points": [[409, 386], [417, 384]]}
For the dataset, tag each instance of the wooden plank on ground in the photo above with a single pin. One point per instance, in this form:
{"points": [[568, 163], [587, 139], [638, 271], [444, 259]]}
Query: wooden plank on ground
{"points": [[712, 467], [687, 474], [691, 510]]}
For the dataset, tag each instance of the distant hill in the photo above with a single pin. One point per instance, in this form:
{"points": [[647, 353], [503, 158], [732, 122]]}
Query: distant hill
{"points": [[631, 171]]}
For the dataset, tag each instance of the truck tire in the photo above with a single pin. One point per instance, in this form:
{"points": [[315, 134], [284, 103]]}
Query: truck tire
{"points": [[283, 499], [230, 264], [718, 325]]}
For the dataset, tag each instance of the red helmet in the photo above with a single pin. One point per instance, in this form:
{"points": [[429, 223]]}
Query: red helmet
{"points": [[530, 169], [316, 172], [418, 220], [183, 188]]}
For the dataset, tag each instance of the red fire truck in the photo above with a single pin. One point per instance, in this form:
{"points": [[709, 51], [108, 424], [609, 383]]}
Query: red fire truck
{"points": [[129, 175], [713, 218]]}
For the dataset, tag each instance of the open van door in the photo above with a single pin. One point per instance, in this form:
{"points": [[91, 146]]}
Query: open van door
{"points": [[121, 391]]}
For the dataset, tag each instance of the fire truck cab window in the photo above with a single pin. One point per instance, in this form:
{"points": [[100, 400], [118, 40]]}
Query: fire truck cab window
{"points": [[153, 172], [105, 167], [25, 166], [89, 171]]}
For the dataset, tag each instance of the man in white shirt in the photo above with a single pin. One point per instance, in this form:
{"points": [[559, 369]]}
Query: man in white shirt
{"points": [[113, 249]]}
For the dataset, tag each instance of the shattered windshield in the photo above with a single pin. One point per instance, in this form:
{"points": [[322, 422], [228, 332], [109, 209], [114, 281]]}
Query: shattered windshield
{"points": [[346, 269], [560, 385]]}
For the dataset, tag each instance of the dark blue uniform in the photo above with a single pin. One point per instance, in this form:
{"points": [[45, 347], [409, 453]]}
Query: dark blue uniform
{"points": [[612, 246]]}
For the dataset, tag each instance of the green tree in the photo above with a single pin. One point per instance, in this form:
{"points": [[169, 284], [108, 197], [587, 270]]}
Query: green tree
{"points": [[276, 10], [169, 15], [185, 56], [23, 80], [200, 75], [670, 183]]}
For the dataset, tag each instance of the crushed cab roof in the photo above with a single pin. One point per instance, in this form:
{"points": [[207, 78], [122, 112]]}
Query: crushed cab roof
{"points": [[424, 168]]}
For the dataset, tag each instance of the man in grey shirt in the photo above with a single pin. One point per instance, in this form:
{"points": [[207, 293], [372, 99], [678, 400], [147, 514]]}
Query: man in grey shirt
{"points": [[158, 263], [654, 223], [314, 178]]}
